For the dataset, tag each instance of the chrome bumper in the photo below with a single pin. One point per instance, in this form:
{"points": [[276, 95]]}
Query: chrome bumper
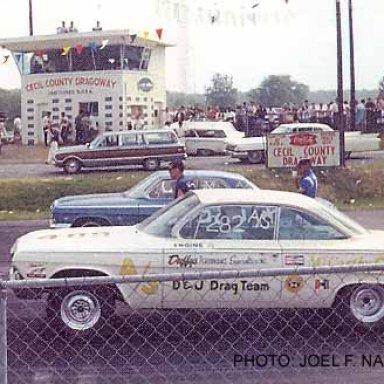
{"points": [[237, 154], [54, 225]]}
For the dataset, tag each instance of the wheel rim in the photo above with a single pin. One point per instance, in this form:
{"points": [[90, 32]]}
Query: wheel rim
{"points": [[80, 310], [151, 164], [367, 304], [255, 157], [72, 166]]}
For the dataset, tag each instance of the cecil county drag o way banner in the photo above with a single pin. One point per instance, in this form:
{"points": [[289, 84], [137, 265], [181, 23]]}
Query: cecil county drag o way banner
{"points": [[285, 150]]}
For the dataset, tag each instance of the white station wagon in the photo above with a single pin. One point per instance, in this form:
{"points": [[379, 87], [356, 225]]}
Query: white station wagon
{"points": [[205, 231]]}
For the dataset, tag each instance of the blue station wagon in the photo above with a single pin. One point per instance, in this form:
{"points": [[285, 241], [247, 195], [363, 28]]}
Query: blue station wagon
{"points": [[136, 204]]}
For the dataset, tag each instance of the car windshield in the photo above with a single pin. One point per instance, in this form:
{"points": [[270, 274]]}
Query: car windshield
{"points": [[282, 129], [138, 190], [160, 224], [95, 142], [342, 219]]}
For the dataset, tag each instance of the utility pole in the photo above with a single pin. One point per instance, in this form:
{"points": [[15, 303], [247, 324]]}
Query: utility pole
{"points": [[352, 67], [30, 18], [340, 117]]}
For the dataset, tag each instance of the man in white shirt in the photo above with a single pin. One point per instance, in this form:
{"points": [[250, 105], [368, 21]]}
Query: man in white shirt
{"points": [[47, 122], [17, 128]]}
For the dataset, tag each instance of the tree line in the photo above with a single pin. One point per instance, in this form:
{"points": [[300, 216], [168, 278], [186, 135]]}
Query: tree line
{"points": [[274, 91]]}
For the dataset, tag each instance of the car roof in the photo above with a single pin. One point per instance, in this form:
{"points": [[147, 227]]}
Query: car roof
{"points": [[207, 173], [269, 197], [108, 133], [210, 125], [305, 125]]}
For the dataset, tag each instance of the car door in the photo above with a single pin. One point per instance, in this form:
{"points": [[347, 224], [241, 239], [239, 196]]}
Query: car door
{"points": [[106, 152], [307, 240], [210, 140], [228, 237], [131, 148], [190, 140], [157, 196]]}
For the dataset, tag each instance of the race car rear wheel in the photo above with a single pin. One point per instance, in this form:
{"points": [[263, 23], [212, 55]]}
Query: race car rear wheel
{"points": [[359, 308], [366, 303]]}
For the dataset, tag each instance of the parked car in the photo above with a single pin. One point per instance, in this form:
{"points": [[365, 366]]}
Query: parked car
{"points": [[206, 138], [225, 230], [149, 148], [136, 204], [253, 149]]}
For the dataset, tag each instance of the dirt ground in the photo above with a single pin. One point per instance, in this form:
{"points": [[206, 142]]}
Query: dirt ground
{"points": [[23, 154]]}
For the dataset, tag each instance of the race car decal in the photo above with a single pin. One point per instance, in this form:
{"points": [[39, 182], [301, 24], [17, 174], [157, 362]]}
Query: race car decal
{"points": [[37, 273], [323, 261], [295, 260], [294, 284], [215, 285], [128, 268], [73, 235], [321, 284]]}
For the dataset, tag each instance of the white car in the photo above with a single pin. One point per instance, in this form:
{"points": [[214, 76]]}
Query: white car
{"points": [[225, 230], [253, 149], [206, 138]]}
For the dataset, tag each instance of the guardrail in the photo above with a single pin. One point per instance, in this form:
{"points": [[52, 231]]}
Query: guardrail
{"points": [[235, 326]]}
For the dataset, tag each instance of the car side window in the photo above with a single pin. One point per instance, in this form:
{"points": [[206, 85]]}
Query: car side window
{"points": [[190, 133], [131, 139], [109, 141], [164, 189], [160, 138], [211, 183], [303, 129], [296, 225], [232, 222], [206, 133], [219, 134]]}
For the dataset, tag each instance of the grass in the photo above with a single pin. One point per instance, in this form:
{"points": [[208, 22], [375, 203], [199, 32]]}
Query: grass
{"points": [[357, 187], [36, 195]]}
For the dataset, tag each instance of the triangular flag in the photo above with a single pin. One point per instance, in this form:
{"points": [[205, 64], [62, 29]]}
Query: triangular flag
{"points": [[40, 52], [93, 47], [65, 51], [104, 43], [18, 57], [6, 57], [133, 38], [145, 35], [79, 48], [159, 33]]}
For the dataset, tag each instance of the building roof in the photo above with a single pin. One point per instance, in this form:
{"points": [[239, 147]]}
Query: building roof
{"points": [[60, 40]]}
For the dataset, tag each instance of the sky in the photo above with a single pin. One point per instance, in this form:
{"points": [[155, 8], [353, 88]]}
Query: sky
{"points": [[298, 38]]}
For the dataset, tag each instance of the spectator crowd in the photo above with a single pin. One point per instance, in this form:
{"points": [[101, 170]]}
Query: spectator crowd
{"points": [[255, 120]]}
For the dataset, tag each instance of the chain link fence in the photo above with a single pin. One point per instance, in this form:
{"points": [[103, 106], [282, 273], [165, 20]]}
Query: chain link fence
{"points": [[278, 325]]}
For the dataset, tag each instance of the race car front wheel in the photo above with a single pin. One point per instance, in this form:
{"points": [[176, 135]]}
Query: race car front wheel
{"points": [[79, 310]]}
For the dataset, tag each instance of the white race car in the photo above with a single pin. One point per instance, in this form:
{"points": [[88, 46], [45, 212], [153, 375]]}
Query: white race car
{"points": [[224, 230]]}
